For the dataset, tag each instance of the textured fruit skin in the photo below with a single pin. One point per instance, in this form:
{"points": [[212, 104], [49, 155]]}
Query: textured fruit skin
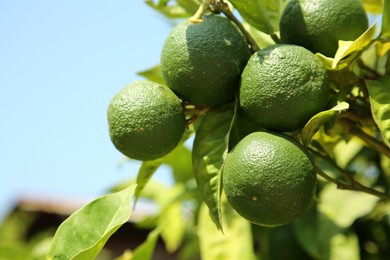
{"points": [[146, 120], [318, 25], [202, 62], [269, 179], [283, 86]]}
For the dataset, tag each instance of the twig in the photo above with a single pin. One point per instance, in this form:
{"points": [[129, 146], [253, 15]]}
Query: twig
{"points": [[364, 66], [369, 140], [225, 9], [355, 186]]}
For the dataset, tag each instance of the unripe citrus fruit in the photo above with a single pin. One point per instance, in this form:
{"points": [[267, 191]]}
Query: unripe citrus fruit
{"points": [[283, 86], [202, 62], [269, 179], [318, 25], [146, 120]]}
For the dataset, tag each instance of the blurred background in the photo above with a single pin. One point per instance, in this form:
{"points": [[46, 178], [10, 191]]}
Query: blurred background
{"points": [[61, 62]]}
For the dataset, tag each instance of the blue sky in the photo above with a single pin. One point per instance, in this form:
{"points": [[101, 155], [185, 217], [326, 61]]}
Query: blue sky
{"points": [[61, 62]]}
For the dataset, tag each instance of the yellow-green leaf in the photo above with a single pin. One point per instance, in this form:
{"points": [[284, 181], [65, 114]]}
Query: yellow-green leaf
{"points": [[235, 243], [153, 74], [385, 31], [347, 48], [372, 6], [320, 119]]}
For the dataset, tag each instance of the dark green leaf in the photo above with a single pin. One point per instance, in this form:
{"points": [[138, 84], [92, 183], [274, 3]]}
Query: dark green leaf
{"points": [[146, 249], [235, 243], [210, 147], [153, 74], [379, 91], [85, 232], [320, 119]]}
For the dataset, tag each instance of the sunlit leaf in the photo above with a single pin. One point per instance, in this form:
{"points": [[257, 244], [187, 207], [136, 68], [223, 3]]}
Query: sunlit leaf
{"points": [[372, 6], [146, 249], [379, 91], [382, 48], [327, 61], [262, 39], [263, 15], [153, 74], [385, 31], [344, 246], [85, 232], [344, 207], [320, 119], [235, 243], [180, 9], [344, 151], [348, 48], [210, 145], [173, 226]]}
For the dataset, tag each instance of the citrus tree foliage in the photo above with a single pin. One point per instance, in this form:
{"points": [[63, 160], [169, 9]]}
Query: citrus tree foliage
{"points": [[349, 143]]}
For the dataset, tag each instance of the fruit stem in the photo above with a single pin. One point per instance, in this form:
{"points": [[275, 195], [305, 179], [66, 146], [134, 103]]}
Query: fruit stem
{"points": [[197, 17], [224, 8], [193, 112]]}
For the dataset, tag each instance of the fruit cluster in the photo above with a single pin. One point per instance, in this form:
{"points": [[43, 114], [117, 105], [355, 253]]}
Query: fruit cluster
{"points": [[268, 177]]}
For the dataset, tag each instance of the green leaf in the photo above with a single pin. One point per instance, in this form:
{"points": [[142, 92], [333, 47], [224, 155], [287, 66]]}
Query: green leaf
{"points": [[181, 163], [263, 15], [173, 226], [343, 207], [210, 146], [146, 249], [262, 39], [146, 171], [148, 168], [379, 91], [385, 31], [348, 51], [314, 124], [314, 232], [153, 74], [235, 243], [85, 232]]}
